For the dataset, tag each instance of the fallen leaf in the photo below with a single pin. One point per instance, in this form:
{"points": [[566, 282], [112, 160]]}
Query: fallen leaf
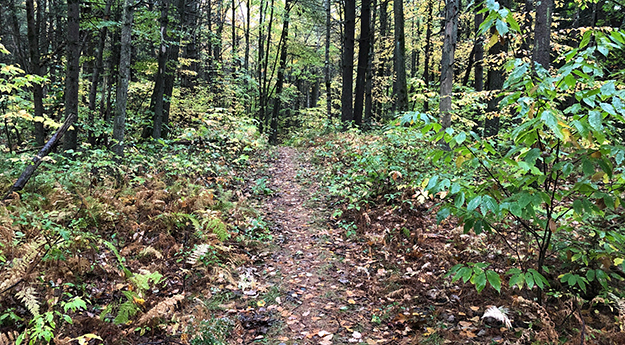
{"points": [[261, 303], [351, 301], [323, 333], [306, 313], [356, 335], [475, 308]]}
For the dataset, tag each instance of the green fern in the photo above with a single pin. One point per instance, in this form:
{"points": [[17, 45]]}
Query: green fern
{"points": [[142, 281], [218, 228], [127, 309]]}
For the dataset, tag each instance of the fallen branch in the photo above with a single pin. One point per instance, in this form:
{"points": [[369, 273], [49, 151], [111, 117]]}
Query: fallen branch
{"points": [[30, 169]]}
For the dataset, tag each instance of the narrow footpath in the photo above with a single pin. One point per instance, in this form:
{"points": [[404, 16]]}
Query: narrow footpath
{"points": [[320, 278]]}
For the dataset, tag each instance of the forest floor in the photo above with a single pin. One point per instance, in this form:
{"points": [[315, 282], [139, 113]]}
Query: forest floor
{"points": [[330, 287], [321, 283]]}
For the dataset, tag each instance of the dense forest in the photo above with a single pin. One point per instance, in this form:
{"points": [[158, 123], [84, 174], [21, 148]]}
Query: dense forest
{"points": [[312, 172]]}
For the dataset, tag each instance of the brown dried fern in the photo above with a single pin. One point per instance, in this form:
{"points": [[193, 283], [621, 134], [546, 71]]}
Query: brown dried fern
{"points": [[198, 252], [20, 265], [8, 338], [161, 310]]}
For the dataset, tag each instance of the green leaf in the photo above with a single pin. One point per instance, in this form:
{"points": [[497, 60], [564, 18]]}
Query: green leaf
{"points": [[461, 137], [480, 281], [529, 280], [594, 119], [459, 200], [587, 167], [513, 23], [551, 121], [473, 204], [494, 280], [501, 26]]}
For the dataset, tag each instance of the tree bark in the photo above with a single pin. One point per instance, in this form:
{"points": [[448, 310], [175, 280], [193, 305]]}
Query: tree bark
{"points": [[479, 51], [97, 70], [363, 60], [427, 51], [347, 112], [73, 70], [447, 61], [119, 123], [328, 81], [369, 77], [273, 136], [400, 88], [542, 33], [35, 69], [159, 85]]}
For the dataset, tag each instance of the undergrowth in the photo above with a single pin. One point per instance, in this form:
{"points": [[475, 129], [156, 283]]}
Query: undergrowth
{"points": [[100, 248]]}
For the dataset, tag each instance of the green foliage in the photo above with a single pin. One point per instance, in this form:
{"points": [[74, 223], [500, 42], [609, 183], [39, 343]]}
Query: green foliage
{"points": [[477, 274], [554, 172]]}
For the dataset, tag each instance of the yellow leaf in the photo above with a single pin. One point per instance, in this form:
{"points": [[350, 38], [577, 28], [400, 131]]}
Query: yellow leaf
{"points": [[261, 303], [493, 39], [459, 161], [618, 261], [596, 154], [351, 301]]}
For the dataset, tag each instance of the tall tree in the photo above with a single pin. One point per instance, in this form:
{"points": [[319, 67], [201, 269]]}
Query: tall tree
{"points": [[428, 48], [73, 69], [119, 123], [284, 39], [479, 51], [159, 85], [347, 112], [447, 61], [363, 60], [327, 61], [542, 33], [400, 87], [98, 66], [35, 68]]}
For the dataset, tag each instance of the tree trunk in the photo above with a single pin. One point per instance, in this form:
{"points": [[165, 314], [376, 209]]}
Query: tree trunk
{"points": [[427, 50], [35, 68], [328, 81], [542, 33], [30, 168], [246, 58], [363, 60], [369, 77], [347, 113], [447, 61], [73, 70], [400, 88], [479, 51], [159, 85], [119, 123], [97, 69], [273, 136]]}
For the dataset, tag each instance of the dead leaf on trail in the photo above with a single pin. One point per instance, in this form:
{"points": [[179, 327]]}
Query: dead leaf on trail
{"points": [[475, 308], [465, 324], [306, 313], [351, 301], [323, 333]]}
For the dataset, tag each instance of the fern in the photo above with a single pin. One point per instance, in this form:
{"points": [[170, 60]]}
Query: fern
{"points": [[142, 281], [28, 296], [161, 310], [198, 252], [8, 338], [218, 228], [127, 309], [149, 250], [21, 265]]}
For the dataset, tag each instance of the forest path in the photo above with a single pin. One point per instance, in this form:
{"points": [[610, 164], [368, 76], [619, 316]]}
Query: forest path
{"points": [[320, 277]]}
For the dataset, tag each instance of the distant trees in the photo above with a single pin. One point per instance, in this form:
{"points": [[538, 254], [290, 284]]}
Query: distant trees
{"points": [[252, 65]]}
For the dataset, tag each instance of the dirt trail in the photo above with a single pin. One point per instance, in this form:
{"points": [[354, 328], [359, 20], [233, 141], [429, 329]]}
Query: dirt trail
{"points": [[322, 282]]}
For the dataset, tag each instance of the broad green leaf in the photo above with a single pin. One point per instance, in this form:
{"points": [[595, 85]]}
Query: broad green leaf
{"points": [[594, 119], [494, 280], [473, 204]]}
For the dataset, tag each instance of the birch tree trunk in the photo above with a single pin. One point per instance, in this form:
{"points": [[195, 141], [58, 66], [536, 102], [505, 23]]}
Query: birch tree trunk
{"points": [[447, 61]]}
